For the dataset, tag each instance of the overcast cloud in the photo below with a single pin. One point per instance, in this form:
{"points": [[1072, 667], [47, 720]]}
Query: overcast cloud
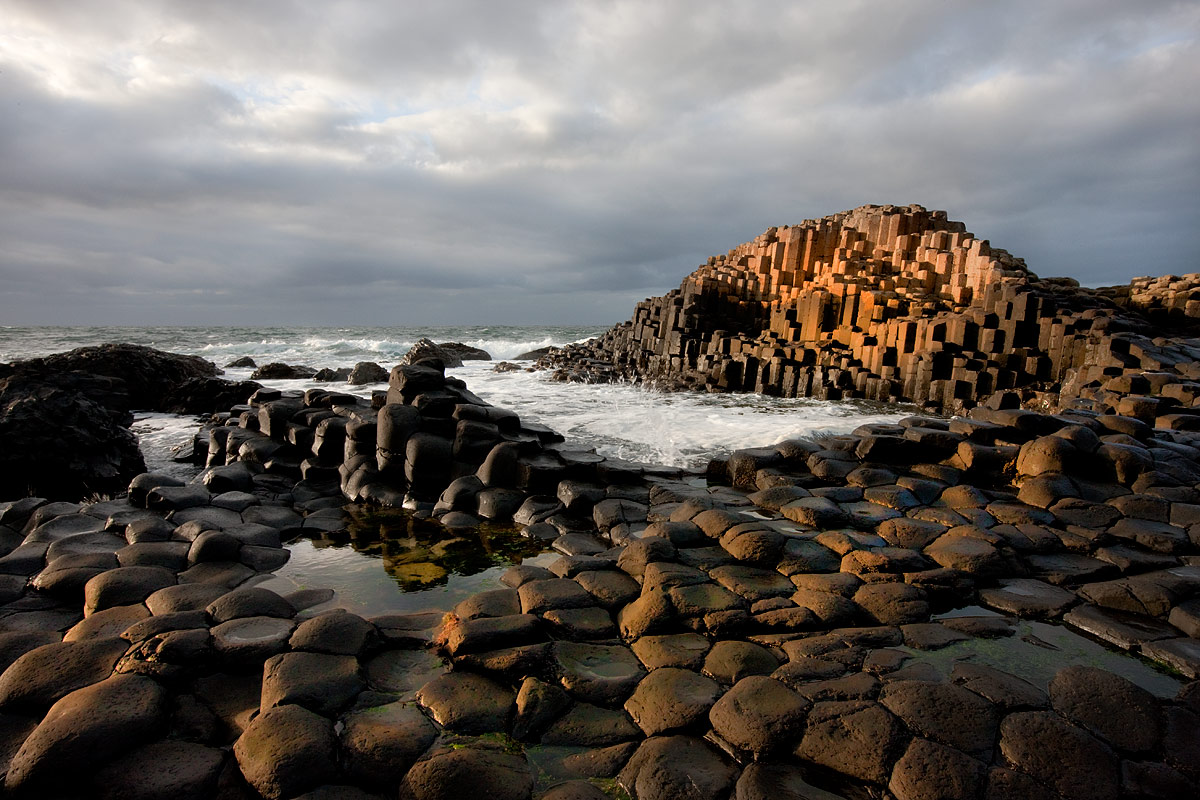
{"points": [[473, 161]]}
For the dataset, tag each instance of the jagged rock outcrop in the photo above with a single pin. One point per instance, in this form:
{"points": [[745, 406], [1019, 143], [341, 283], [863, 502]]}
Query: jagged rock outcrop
{"points": [[895, 304], [64, 418]]}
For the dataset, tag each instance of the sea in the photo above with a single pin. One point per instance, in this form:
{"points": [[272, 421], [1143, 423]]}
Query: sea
{"points": [[402, 564], [680, 429]]}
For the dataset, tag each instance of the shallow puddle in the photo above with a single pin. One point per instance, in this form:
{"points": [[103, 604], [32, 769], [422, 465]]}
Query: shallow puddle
{"points": [[1037, 650], [389, 562]]}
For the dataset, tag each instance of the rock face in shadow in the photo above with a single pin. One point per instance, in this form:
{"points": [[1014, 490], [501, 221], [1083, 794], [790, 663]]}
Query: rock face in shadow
{"points": [[894, 303], [64, 418]]}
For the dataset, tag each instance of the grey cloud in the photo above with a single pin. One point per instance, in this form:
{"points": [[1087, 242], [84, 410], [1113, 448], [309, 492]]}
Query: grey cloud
{"points": [[200, 162]]}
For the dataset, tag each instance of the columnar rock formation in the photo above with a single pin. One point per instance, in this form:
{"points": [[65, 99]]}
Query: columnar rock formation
{"points": [[893, 304]]}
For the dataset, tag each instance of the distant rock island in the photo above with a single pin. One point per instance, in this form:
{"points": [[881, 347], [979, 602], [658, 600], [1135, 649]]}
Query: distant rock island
{"points": [[898, 304]]}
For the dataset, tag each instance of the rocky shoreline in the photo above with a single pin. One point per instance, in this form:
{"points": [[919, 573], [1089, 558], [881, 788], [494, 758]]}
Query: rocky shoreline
{"points": [[909, 611], [759, 631]]}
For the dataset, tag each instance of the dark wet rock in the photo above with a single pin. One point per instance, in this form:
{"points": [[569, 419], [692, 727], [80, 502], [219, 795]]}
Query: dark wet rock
{"points": [[855, 738], [166, 769], [467, 703], [595, 673], [929, 770], [677, 768], [1059, 755], [287, 750], [1124, 715], [367, 372], [277, 370], [671, 698], [943, 712], [469, 768], [379, 744], [86, 728], [44, 674], [729, 661], [317, 681], [759, 715]]}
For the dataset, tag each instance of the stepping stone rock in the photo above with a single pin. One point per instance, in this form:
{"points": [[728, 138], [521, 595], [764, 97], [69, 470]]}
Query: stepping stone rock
{"points": [[123, 586], [469, 768], [751, 583], [759, 715], [729, 661], [379, 744], [1071, 761], [403, 672], [586, 725], [87, 728], [183, 597], [677, 768], [670, 698], [943, 712], [1109, 706], [45, 674], [892, 603], [167, 769], [1006, 691], [1182, 654], [683, 650], [467, 703], [540, 596], [250, 640], [490, 633], [336, 633], [317, 681], [856, 738], [611, 589], [287, 750], [777, 782], [1026, 597], [538, 704], [929, 770], [252, 602], [1122, 629], [107, 624], [602, 674]]}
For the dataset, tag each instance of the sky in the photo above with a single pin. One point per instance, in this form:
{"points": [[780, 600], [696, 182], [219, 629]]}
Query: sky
{"points": [[482, 162]]}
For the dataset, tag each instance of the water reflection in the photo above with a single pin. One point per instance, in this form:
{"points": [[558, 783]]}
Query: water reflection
{"points": [[389, 561]]}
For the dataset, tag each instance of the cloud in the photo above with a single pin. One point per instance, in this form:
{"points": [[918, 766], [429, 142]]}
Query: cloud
{"points": [[534, 161]]}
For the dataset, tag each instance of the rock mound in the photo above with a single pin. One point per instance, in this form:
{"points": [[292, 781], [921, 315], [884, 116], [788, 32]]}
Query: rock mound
{"points": [[894, 304]]}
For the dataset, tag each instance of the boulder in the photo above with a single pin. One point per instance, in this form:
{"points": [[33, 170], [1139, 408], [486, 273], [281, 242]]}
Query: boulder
{"points": [[87, 728], [287, 750]]}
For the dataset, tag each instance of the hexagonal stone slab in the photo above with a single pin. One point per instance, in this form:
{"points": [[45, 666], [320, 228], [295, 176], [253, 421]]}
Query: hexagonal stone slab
{"points": [[670, 698], [677, 768], [467, 703], [379, 744], [759, 715], [601, 674]]}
